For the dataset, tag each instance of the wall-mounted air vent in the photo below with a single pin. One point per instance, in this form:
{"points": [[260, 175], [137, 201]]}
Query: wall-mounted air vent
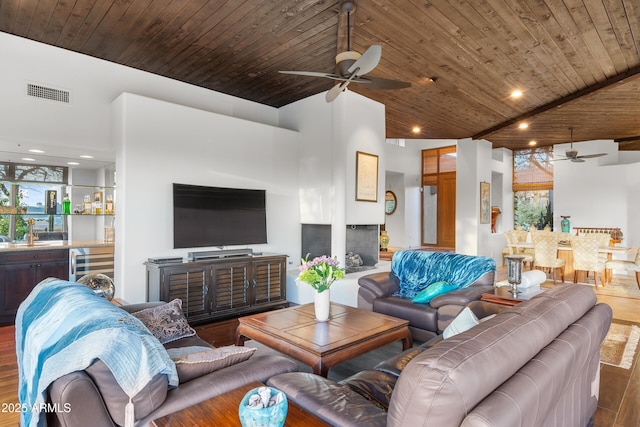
{"points": [[52, 94]]}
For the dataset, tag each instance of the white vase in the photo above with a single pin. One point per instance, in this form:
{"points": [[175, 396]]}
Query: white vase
{"points": [[321, 303]]}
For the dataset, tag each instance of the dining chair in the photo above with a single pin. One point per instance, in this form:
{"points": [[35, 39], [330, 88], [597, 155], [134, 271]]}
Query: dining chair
{"points": [[545, 246], [511, 236], [618, 264], [585, 256], [604, 239]]}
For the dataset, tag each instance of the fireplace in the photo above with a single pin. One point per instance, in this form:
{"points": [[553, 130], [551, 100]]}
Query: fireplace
{"points": [[362, 245]]}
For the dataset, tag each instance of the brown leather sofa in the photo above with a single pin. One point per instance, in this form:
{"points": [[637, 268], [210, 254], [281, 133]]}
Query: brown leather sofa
{"points": [[377, 293], [535, 364], [83, 399]]}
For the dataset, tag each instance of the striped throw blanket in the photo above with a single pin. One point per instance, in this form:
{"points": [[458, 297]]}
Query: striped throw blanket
{"points": [[63, 327]]}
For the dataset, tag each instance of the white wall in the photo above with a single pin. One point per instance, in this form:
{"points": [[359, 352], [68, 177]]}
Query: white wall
{"points": [[395, 223], [501, 196], [598, 192], [159, 143], [330, 136], [473, 166]]}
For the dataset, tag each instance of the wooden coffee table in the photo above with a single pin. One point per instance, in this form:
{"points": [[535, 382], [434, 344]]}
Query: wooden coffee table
{"points": [[503, 296], [348, 333], [223, 411]]}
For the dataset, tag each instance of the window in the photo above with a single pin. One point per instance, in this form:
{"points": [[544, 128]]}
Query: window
{"points": [[23, 194], [533, 187]]}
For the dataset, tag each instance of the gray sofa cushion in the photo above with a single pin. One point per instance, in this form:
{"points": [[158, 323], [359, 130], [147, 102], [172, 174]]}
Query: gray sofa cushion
{"points": [[335, 403], [145, 402], [543, 392], [465, 368], [419, 315], [194, 362]]}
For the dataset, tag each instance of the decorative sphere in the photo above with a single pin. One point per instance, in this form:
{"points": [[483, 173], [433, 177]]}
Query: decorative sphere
{"points": [[101, 284]]}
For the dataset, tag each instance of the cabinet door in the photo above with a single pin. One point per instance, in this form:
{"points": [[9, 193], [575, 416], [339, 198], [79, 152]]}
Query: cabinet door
{"points": [[190, 285], [23, 271], [52, 269], [16, 282], [269, 281], [230, 286]]}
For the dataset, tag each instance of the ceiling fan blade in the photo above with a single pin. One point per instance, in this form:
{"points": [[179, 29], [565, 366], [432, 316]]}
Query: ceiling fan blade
{"points": [[335, 91], [382, 84], [578, 160], [315, 74], [368, 61], [591, 156]]}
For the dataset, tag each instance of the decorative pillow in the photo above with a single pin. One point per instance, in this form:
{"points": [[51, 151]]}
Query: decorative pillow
{"points": [[432, 291], [194, 362], [166, 322], [465, 320]]}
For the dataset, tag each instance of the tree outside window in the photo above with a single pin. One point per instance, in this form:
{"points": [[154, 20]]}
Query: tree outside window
{"points": [[22, 196], [533, 187]]}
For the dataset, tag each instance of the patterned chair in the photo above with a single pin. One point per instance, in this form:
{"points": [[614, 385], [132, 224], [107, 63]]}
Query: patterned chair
{"points": [[512, 237], [585, 256], [617, 264], [545, 246]]}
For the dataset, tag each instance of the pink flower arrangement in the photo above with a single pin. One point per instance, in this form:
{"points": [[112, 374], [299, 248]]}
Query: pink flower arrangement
{"points": [[320, 272]]}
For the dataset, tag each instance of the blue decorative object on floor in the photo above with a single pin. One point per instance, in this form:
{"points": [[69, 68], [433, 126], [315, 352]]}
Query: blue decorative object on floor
{"points": [[263, 407]]}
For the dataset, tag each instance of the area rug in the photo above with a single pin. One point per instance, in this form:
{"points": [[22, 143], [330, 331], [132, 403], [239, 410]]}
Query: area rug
{"points": [[620, 345]]}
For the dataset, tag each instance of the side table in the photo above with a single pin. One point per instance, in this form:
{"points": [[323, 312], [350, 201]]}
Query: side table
{"points": [[503, 296]]}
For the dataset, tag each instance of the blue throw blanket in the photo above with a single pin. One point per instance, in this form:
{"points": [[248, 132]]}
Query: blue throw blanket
{"points": [[419, 269], [63, 327]]}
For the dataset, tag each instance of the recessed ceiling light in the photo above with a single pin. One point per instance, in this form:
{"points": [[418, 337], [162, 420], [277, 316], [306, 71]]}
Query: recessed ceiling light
{"points": [[416, 129], [523, 125], [28, 159], [73, 163], [533, 142], [516, 93], [35, 150], [86, 156]]}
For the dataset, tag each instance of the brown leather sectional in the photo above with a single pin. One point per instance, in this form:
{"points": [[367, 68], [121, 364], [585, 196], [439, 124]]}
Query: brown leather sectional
{"points": [[535, 364]]}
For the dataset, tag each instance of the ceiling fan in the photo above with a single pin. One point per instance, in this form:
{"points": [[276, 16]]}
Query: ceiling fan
{"points": [[351, 67], [572, 154]]}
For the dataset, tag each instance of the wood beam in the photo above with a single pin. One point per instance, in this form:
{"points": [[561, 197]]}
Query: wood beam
{"points": [[629, 75]]}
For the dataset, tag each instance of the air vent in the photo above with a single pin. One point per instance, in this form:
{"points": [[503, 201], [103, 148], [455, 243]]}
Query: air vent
{"points": [[52, 94]]}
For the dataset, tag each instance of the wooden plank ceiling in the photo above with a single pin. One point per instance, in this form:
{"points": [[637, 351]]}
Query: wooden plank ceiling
{"points": [[577, 62]]}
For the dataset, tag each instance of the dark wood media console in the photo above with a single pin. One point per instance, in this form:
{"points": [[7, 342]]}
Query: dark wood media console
{"points": [[218, 288]]}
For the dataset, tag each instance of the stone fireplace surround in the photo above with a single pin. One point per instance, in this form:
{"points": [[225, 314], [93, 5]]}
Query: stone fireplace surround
{"points": [[362, 240]]}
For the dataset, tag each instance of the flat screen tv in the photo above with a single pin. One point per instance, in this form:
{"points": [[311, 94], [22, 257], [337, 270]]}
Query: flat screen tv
{"points": [[215, 216]]}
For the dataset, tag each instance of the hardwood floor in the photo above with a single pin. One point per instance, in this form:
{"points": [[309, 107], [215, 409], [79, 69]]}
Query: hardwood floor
{"points": [[619, 388]]}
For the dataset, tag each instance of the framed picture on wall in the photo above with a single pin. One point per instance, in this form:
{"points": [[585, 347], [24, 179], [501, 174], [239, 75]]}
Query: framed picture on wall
{"points": [[366, 177], [485, 203]]}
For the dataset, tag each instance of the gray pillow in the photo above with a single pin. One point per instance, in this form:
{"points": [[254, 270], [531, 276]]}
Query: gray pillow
{"points": [[166, 322], [194, 361]]}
